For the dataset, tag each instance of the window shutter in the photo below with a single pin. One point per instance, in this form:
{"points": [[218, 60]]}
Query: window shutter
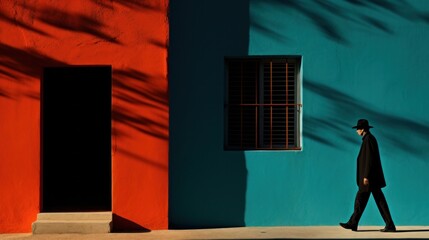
{"points": [[242, 93], [279, 104], [262, 107]]}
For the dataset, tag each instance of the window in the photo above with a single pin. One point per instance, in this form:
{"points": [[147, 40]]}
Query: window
{"points": [[262, 109]]}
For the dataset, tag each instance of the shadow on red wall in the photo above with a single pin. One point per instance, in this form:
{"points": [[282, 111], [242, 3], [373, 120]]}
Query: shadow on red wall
{"points": [[121, 224], [19, 66]]}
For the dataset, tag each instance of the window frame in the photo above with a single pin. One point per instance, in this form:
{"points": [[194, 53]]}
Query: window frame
{"points": [[297, 103]]}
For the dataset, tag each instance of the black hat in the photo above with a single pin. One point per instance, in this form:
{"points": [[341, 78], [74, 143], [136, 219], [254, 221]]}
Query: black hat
{"points": [[362, 124]]}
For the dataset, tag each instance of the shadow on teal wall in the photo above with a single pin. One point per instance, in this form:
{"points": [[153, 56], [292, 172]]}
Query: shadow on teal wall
{"points": [[361, 59], [328, 17], [207, 184], [342, 103]]}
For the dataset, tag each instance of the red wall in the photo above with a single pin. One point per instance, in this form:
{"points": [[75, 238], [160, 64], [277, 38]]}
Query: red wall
{"points": [[129, 35]]}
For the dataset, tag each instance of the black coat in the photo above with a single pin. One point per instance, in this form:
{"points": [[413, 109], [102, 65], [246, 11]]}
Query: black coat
{"points": [[369, 164]]}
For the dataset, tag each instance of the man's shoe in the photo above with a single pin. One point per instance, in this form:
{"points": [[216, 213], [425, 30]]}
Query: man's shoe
{"points": [[388, 229], [349, 226]]}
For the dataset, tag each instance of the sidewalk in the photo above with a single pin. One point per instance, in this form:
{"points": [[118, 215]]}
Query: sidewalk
{"points": [[329, 232]]}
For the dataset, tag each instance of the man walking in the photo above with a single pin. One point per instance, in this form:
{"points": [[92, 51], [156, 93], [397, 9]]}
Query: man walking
{"points": [[370, 179]]}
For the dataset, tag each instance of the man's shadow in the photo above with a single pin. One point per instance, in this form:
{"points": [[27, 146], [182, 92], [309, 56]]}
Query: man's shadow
{"points": [[412, 230], [397, 231]]}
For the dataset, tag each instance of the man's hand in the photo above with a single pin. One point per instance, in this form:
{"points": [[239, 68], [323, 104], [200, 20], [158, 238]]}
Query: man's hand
{"points": [[365, 181]]}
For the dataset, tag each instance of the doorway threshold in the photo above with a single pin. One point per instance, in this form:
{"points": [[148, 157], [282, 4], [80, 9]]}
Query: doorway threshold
{"points": [[72, 222]]}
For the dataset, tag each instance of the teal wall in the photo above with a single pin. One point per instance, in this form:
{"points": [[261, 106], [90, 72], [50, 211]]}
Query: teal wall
{"points": [[360, 59]]}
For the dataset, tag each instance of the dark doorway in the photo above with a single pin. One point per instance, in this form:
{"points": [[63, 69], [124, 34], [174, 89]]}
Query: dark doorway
{"points": [[76, 139]]}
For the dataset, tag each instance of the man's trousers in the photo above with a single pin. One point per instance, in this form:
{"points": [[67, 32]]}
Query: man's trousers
{"points": [[361, 200]]}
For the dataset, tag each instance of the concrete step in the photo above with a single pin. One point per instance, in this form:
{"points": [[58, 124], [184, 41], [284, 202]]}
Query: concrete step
{"points": [[75, 216], [73, 222]]}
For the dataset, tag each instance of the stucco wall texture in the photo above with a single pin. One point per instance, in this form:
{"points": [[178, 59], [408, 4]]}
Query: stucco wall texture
{"points": [[360, 59], [132, 37]]}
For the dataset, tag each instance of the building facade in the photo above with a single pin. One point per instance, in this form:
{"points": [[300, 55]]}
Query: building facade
{"points": [[166, 67]]}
